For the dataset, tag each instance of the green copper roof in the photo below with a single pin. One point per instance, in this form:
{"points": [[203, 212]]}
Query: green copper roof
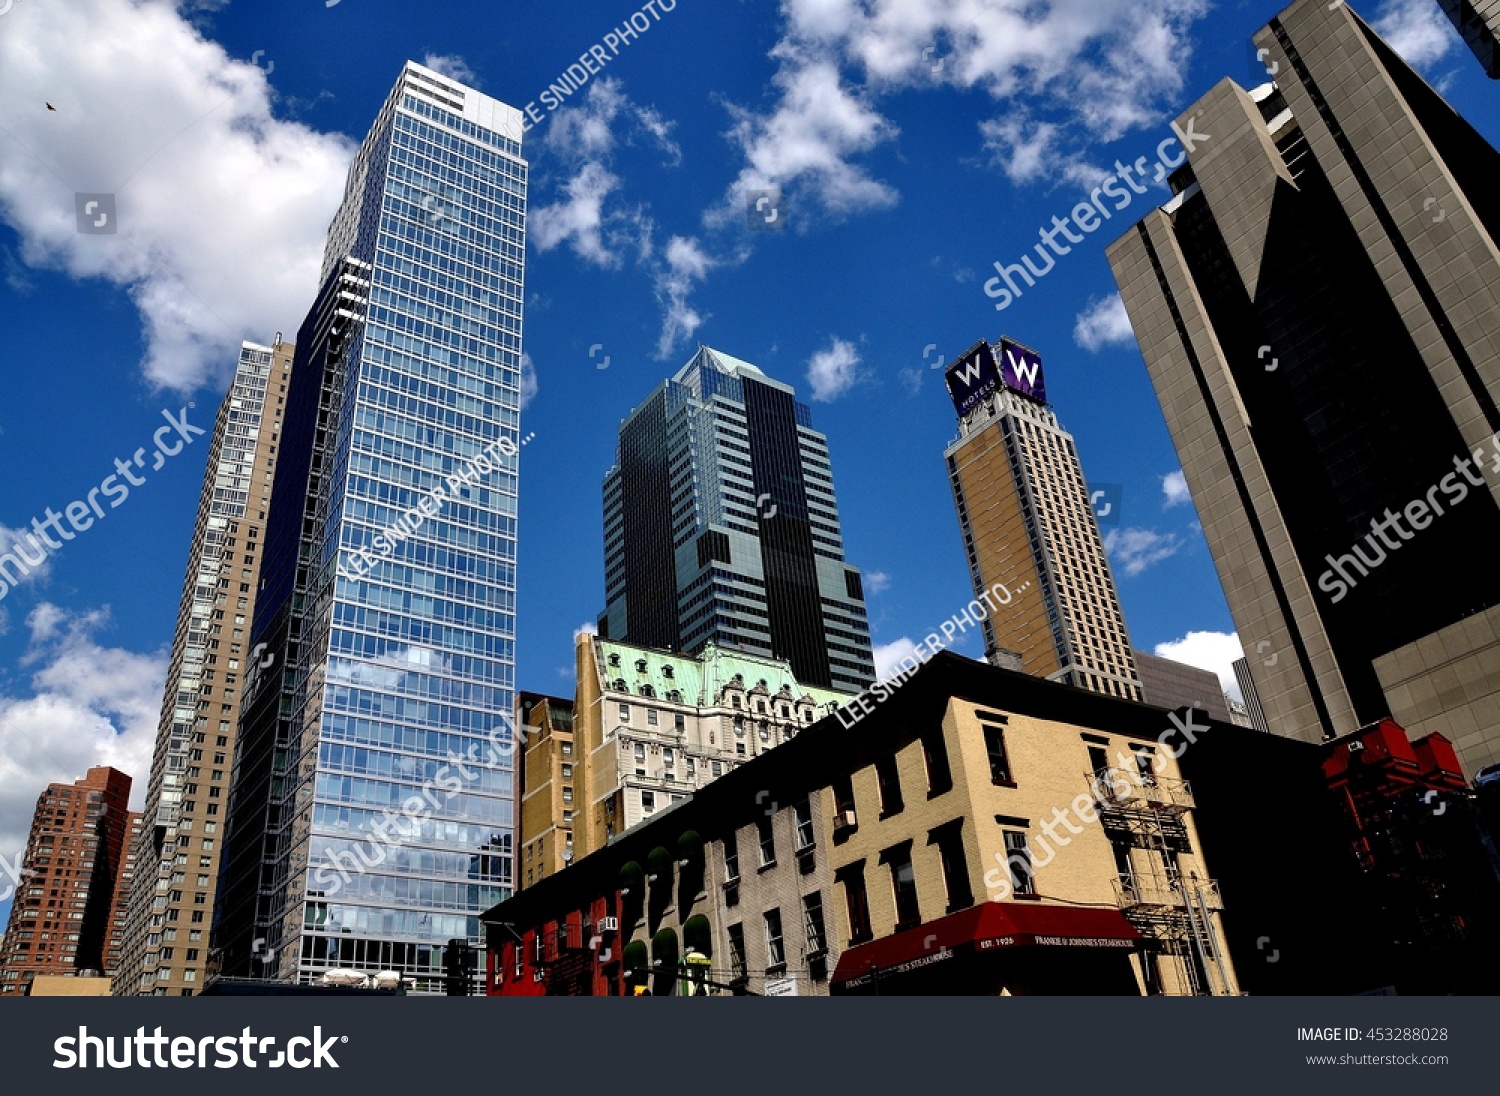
{"points": [[701, 679]]}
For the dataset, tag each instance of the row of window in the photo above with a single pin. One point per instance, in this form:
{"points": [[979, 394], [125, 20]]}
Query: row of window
{"points": [[814, 930]]}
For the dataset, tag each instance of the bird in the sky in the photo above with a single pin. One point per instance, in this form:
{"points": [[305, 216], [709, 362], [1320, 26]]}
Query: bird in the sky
{"points": [[50, 107]]}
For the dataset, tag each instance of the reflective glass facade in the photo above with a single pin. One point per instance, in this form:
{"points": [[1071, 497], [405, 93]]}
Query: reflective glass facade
{"points": [[371, 822], [721, 527]]}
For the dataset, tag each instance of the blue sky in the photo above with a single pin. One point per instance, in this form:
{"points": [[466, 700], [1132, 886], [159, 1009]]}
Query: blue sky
{"points": [[914, 143]]}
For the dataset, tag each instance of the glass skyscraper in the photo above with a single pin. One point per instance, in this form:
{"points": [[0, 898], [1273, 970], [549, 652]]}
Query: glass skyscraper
{"points": [[720, 525], [370, 822]]}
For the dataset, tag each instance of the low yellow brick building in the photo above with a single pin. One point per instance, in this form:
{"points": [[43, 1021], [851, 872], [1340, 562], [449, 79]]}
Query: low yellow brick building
{"points": [[979, 832]]}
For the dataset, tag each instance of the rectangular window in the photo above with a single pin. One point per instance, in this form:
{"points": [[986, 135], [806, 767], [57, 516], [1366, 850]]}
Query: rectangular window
{"points": [[567, 795], [679, 722], [903, 885], [935, 753], [567, 749], [856, 904], [737, 950], [1145, 764], [844, 815], [767, 842], [640, 751], [651, 717], [994, 744], [775, 945], [889, 779], [624, 713], [812, 916], [648, 802], [950, 842], [1018, 857], [806, 838], [567, 772], [732, 859]]}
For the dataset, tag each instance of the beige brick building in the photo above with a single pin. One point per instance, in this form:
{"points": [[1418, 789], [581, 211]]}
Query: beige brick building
{"points": [[1027, 522], [646, 729], [165, 939], [982, 832]]}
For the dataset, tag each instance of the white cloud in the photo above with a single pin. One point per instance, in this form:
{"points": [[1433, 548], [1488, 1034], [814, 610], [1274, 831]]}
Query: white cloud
{"points": [[1035, 152], [529, 385], [1213, 651], [600, 229], [578, 220], [806, 142], [1103, 323], [1418, 30], [587, 130], [660, 131], [587, 628], [877, 582], [1066, 76], [834, 371], [1175, 489], [686, 264], [1136, 550], [89, 705], [890, 655], [25, 546], [222, 209], [452, 66]]}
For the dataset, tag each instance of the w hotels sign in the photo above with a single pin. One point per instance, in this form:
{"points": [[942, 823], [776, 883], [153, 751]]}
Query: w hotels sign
{"points": [[978, 372]]}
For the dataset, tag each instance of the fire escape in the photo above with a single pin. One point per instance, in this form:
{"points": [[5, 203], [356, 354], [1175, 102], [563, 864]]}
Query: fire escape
{"points": [[1144, 817], [566, 961]]}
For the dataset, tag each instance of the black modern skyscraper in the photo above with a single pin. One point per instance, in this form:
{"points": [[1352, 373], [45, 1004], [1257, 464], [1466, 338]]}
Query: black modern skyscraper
{"points": [[720, 524], [1479, 23], [1319, 309]]}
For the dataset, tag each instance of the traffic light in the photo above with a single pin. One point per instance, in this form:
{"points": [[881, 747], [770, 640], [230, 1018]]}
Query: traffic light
{"points": [[696, 969], [458, 968]]}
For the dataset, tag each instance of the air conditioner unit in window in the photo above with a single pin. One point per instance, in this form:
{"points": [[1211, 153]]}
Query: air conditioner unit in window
{"points": [[850, 818], [609, 924]]}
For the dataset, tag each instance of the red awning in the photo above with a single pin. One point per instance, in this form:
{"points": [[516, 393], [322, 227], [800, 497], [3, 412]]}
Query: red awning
{"points": [[984, 928]]}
